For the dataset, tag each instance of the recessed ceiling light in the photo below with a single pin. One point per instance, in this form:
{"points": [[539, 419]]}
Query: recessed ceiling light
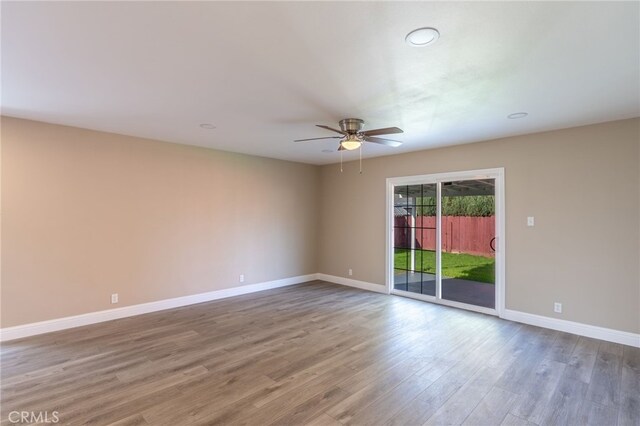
{"points": [[517, 115], [208, 126], [422, 37]]}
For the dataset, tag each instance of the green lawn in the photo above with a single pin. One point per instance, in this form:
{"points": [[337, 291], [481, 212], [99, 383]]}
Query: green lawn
{"points": [[463, 266]]}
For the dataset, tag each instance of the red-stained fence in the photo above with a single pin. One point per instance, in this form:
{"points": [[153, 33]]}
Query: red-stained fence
{"points": [[460, 234]]}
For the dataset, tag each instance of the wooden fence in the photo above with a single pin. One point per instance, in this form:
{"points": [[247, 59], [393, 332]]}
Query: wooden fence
{"points": [[461, 234]]}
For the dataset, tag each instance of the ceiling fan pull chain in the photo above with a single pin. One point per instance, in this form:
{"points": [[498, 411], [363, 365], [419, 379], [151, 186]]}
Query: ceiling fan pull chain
{"points": [[340, 161], [361, 157]]}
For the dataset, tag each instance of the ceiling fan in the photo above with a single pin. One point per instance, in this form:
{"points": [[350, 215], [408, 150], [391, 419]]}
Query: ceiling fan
{"points": [[352, 135]]}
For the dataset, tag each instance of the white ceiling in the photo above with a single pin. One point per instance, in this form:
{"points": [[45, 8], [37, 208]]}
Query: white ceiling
{"points": [[264, 73]]}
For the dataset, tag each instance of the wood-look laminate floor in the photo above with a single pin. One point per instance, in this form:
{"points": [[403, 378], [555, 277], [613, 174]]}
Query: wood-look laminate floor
{"points": [[320, 354]]}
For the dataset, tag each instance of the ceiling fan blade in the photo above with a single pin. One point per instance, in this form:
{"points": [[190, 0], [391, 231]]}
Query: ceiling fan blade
{"points": [[331, 128], [387, 142], [385, 131], [315, 139]]}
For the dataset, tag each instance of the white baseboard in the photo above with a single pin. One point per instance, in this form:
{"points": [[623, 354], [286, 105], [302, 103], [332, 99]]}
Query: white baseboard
{"points": [[11, 333], [17, 332], [607, 334], [593, 331], [352, 283]]}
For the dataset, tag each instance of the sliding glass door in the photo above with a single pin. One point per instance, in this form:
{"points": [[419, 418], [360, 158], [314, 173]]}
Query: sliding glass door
{"points": [[414, 243], [444, 237], [468, 241]]}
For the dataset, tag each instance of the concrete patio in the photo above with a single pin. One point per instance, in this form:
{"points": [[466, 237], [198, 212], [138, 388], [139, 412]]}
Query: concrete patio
{"points": [[464, 291]]}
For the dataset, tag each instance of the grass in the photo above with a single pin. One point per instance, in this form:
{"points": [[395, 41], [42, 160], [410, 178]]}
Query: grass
{"points": [[463, 266]]}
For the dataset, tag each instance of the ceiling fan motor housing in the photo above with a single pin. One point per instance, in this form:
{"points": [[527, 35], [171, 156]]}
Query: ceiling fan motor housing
{"points": [[351, 125]]}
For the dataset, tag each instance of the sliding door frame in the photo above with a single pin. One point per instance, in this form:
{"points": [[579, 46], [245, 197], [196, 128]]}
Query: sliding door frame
{"points": [[438, 178]]}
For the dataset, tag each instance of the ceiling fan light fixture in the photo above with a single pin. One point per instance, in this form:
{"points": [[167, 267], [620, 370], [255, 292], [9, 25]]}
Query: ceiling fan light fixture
{"points": [[351, 142], [351, 145], [422, 37]]}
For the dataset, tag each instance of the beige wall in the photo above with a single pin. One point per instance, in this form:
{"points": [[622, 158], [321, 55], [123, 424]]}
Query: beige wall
{"points": [[581, 184], [86, 214]]}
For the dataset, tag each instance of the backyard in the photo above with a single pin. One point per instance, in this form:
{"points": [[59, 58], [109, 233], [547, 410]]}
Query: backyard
{"points": [[462, 266]]}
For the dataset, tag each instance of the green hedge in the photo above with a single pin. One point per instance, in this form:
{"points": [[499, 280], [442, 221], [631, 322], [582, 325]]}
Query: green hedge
{"points": [[472, 205]]}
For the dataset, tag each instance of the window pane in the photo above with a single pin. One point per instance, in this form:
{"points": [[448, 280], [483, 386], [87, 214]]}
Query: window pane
{"points": [[468, 228]]}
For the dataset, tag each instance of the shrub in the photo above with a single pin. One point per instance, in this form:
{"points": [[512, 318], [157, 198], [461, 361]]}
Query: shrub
{"points": [[472, 205]]}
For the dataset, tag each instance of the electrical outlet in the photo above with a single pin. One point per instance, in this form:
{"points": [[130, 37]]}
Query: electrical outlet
{"points": [[531, 221], [241, 278], [350, 272], [114, 298], [557, 307]]}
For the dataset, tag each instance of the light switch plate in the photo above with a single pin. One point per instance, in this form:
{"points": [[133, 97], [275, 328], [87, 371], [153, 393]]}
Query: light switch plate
{"points": [[530, 221]]}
